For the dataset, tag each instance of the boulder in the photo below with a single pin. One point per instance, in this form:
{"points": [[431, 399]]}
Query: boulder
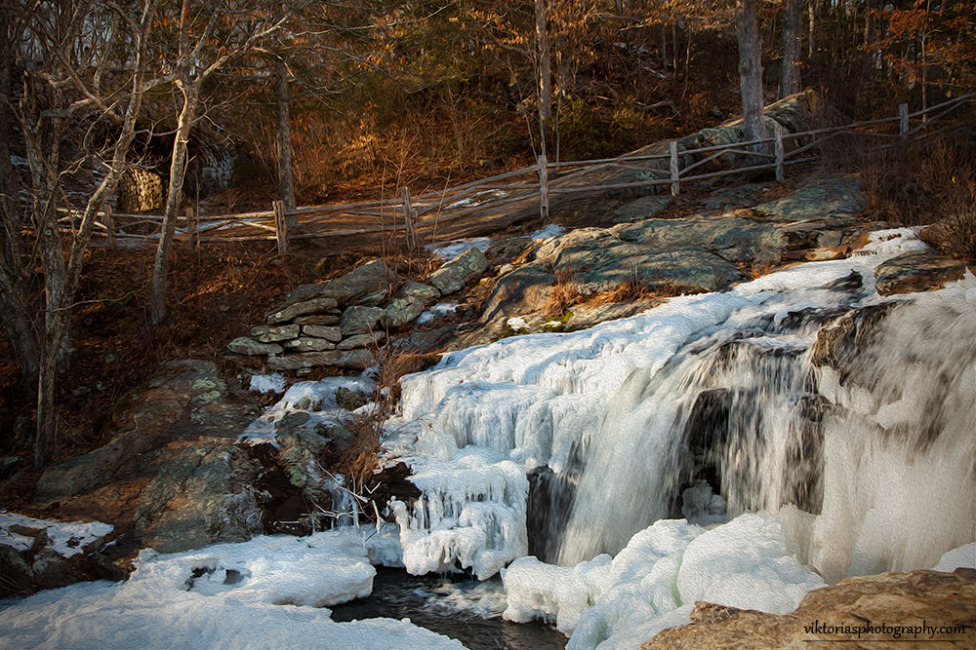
{"points": [[917, 609], [818, 197], [402, 311], [273, 334], [350, 288], [646, 207], [425, 293], [917, 271], [251, 348], [172, 462], [313, 306], [455, 274], [201, 495], [359, 320]]}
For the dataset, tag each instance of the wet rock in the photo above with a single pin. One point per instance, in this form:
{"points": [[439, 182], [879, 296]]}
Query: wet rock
{"points": [[944, 602], [327, 332], [251, 348], [309, 344], [917, 271], [839, 346], [274, 334], [359, 320], [313, 306], [455, 274], [402, 311], [352, 359]]}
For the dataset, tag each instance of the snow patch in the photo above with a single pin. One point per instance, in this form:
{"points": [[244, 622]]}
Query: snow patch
{"points": [[66, 538], [258, 594], [268, 383], [450, 250]]}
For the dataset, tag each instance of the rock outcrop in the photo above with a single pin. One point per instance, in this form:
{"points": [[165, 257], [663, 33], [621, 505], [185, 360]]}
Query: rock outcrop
{"points": [[917, 271], [172, 475], [920, 609]]}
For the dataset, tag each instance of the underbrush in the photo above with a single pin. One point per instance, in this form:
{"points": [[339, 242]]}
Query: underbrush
{"points": [[931, 185]]}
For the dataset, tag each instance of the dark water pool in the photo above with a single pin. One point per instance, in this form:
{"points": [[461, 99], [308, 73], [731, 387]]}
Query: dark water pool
{"points": [[458, 607]]}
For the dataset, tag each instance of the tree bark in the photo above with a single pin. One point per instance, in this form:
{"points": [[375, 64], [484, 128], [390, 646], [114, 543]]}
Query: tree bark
{"points": [[789, 78], [177, 173], [545, 72], [750, 69], [286, 179]]}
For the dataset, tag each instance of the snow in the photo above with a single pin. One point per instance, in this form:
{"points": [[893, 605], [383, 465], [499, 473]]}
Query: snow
{"points": [[450, 250], [64, 538], [317, 398], [267, 592], [654, 582], [436, 312], [268, 383], [551, 230], [964, 556]]}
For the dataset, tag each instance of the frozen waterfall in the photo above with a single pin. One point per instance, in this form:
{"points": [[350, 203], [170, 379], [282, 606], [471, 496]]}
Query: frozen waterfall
{"points": [[703, 408]]}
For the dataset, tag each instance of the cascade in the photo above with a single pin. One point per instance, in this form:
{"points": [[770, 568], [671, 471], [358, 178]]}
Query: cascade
{"points": [[703, 408]]}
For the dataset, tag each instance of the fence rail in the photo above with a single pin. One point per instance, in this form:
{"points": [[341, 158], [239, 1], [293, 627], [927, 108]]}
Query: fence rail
{"points": [[531, 187]]}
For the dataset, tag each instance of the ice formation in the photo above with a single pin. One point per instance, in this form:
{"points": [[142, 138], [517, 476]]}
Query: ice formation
{"points": [[656, 579], [266, 593], [268, 383], [608, 411]]}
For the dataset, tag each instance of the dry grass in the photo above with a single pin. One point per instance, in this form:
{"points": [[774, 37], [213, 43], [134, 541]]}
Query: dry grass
{"points": [[920, 185], [565, 292], [955, 235]]}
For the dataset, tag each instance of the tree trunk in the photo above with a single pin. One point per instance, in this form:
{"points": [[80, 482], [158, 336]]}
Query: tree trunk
{"points": [[286, 179], [177, 173], [789, 78], [545, 72], [750, 70]]}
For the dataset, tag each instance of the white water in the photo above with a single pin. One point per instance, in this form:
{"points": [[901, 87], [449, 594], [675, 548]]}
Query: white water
{"points": [[870, 473]]}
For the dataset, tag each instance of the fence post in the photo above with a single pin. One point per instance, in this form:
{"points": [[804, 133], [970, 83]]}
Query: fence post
{"points": [[543, 187], [110, 225], [281, 226], [780, 155], [903, 122], [673, 147], [408, 216], [191, 226]]}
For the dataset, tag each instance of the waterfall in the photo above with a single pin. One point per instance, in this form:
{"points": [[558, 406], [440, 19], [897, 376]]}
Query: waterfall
{"points": [[709, 406]]}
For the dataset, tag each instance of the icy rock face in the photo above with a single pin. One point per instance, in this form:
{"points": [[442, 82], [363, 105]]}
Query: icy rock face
{"points": [[471, 515], [656, 579]]}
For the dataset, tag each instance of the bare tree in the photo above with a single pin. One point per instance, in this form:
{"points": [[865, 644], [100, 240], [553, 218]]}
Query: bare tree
{"points": [[75, 103], [789, 76], [207, 37], [750, 69]]}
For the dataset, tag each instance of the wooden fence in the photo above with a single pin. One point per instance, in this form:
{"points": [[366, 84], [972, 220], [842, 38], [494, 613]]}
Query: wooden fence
{"points": [[535, 185]]}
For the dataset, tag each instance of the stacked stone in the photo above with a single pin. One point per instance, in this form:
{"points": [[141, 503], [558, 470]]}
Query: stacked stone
{"points": [[341, 322]]}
